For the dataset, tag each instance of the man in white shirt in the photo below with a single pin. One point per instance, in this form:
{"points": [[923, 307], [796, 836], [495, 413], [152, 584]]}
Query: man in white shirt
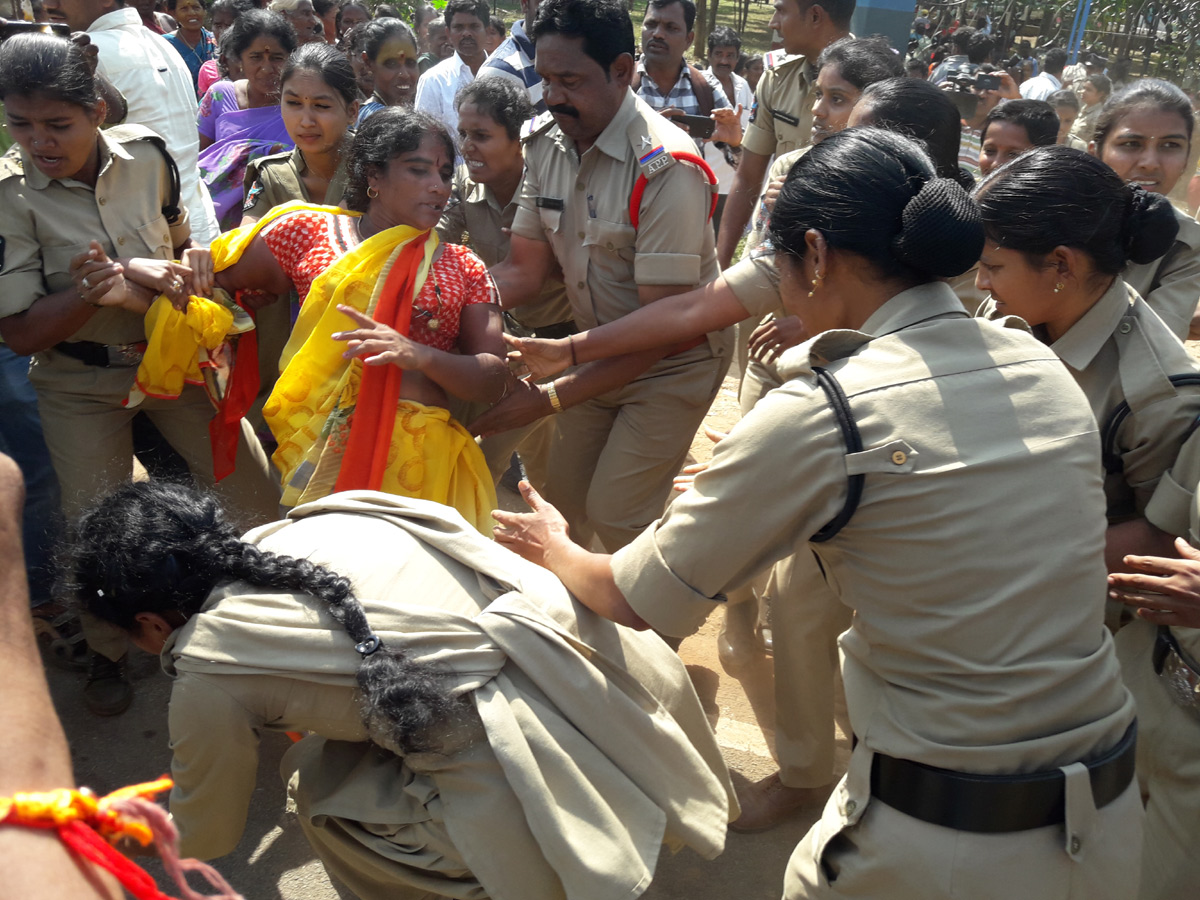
{"points": [[724, 48], [157, 87], [466, 20], [1042, 86]]}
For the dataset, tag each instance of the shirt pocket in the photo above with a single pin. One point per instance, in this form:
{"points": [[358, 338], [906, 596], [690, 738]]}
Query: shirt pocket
{"points": [[157, 238], [56, 265], [551, 219], [611, 237], [609, 250], [893, 458]]}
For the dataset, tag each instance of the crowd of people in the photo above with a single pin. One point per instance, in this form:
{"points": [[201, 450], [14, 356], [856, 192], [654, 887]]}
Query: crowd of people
{"points": [[331, 277]]}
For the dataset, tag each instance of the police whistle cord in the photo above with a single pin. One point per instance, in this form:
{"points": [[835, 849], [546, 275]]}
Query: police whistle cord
{"points": [[89, 826]]}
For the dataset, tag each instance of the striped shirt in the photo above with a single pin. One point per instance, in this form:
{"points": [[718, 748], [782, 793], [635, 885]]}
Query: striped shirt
{"points": [[513, 60], [969, 146]]}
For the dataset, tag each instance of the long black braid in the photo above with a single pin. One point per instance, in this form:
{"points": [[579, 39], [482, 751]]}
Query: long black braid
{"points": [[161, 547]]}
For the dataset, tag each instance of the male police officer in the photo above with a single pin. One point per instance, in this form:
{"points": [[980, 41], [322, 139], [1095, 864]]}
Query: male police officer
{"points": [[626, 432], [782, 118]]}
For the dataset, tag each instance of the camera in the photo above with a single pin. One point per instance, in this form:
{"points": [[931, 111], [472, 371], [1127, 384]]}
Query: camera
{"points": [[965, 84]]}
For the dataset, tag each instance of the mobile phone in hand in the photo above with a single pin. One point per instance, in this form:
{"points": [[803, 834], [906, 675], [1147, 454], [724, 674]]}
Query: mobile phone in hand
{"points": [[697, 126]]}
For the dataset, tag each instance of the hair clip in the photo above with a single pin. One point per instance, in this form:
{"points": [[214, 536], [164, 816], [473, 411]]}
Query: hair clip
{"points": [[369, 646]]}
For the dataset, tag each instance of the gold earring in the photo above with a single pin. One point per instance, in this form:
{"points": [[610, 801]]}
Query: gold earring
{"points": [[374, 195], [813, 284], [1058, 287]]}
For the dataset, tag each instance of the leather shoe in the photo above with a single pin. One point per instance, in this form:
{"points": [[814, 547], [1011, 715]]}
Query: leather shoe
{"points": [[107, 692], [769, 802]]}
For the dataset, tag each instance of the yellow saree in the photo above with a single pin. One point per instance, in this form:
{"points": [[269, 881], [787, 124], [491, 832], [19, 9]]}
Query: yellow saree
{"points": [[400, 447], [403, 448]]}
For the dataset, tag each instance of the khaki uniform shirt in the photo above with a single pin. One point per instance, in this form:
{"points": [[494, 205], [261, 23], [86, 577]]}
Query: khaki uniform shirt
{"points": [[1170, 285], [977, 648], [477, 220], [1120, 351], [278, 178], [581, 749], [755, 283], [782, 117], [581, 206], [46, 222]]}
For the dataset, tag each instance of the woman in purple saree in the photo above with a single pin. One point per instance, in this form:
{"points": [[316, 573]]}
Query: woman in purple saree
{"points": [[241, 120]]}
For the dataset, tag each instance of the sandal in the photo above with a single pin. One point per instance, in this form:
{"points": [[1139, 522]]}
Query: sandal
{"points": [[60, 637]]}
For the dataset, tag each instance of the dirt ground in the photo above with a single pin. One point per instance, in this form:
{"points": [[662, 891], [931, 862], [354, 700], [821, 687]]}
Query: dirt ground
{"points": [[274, 862]]}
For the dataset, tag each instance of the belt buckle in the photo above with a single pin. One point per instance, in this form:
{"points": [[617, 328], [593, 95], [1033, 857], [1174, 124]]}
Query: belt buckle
{"points": [[125, 355], [1180, 679]]}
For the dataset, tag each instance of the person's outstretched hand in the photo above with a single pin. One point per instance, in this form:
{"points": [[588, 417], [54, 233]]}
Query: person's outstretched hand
{"points": [[1161, 590], [540, 356], [532, 535]]}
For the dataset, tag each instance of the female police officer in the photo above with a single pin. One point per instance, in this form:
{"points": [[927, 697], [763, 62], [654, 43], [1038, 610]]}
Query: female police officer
{"points": [[85, 246], [911, 444]]}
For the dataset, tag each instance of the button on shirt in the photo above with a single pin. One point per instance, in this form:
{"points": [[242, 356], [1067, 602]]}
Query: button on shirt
{"points": [[584, 214], [479, 217], [1121, 351], [681, 97], [513, 60], [980, 417], [782, 117], [439, 86], [158, 89]]}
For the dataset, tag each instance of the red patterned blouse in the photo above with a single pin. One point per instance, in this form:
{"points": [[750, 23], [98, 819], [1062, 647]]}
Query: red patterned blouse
{"points": [[306, 243]]}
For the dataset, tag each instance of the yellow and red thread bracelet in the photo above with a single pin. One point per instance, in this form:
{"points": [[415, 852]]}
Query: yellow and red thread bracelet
{"points": [[89, 825]]}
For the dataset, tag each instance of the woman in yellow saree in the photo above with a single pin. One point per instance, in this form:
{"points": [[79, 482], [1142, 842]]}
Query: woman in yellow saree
{"points": [[391, 324]]}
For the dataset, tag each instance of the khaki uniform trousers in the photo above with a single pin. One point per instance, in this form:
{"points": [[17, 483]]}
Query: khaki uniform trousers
{"points": [[889, 854], [806, 620], [614, 457], [1168, 767], [89, 435]]}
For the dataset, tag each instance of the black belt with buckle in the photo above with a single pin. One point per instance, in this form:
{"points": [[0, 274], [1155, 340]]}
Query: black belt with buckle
{"points": [[993, 804], [555, 331], [1179, 673], [104, 356]]}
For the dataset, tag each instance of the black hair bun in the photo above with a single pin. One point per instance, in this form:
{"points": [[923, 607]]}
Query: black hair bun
{"points": [[1150, 227], [941, 232]]}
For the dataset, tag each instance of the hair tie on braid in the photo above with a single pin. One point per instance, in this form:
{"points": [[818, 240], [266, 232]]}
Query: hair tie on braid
{"points": [[370, 645]]}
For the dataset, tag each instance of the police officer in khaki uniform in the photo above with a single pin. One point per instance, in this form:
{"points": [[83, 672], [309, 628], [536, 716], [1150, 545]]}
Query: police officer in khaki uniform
{"points": [[492, 115], [600, 149], [555, 756], [1143, 386], [1160, 660], [65, 187], [782, 117], [995, 739]]}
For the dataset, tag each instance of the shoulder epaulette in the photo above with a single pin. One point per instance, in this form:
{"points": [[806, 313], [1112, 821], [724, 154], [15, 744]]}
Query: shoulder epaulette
{"points": [[535, 126], [127, 133], [777, 59]]}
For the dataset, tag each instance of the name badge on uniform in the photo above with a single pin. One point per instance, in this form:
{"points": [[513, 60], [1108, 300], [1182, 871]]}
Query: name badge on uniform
{"points": [[550, 203], [779, 114]]}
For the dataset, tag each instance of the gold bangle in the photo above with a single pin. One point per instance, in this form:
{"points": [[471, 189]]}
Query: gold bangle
{"points": [[552, 393]]}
